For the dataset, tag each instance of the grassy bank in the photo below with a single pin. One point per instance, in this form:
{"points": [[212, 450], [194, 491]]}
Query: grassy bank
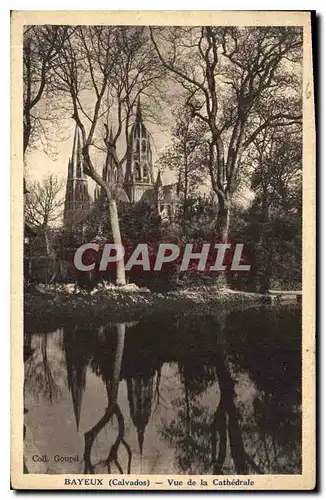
{"points": [[56, 306]]}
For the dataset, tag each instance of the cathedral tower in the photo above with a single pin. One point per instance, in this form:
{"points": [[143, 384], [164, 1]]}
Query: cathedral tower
{"points": [[139, 169], [77, 202]]}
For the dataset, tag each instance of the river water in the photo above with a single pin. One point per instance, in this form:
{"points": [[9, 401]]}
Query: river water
{"points": [[179, 394]]}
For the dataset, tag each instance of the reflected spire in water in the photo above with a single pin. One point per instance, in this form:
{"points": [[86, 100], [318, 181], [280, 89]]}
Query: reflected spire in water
{"points": [[77, 358], [140, 434], [140, 397], [76, 384]]}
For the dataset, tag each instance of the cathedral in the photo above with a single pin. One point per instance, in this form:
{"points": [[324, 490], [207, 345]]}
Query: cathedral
{"points": [[138, 183]]}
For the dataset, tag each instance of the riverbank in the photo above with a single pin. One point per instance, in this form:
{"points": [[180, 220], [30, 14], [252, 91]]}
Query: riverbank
{"points": [[55, 306]]}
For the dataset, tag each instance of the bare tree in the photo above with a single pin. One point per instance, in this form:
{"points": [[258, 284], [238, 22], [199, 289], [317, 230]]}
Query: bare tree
{"points": [[42, 45], [44, 205], [233, 73], [104, 70]]}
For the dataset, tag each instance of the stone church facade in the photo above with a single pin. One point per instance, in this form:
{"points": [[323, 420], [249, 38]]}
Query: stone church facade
{"points": [[139, 184]]}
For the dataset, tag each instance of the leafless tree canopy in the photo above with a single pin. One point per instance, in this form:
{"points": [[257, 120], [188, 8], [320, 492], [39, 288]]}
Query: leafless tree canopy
{"points": [[240, 81], [42, 45], [44, 204]]}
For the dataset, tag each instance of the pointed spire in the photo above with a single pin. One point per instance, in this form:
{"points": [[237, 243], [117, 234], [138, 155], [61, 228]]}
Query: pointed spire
{"points": [[76, 399], [79, 170], [69, 169], [140, 398], [159, 179], [140, 433], [139, 116], [76, 384], [74, 147], [76, 158]]}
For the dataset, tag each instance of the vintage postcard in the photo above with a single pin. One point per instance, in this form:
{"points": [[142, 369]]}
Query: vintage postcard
{"points": [[163, 251]]}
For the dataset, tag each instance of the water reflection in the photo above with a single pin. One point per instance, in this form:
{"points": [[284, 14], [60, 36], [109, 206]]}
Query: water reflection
{"points": [[202, 395]]}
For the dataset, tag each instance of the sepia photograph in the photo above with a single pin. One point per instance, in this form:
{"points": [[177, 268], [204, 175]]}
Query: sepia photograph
{"points": [[163, 292]]}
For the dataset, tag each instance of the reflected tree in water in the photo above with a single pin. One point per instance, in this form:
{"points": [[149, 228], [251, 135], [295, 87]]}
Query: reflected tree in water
{"points": [[28, 352], [44, 377], [273, 448], [226, 429], [113, 409], [189, 431], [256, 425], [233, 406], [44, 372], [208, 441], [269, 352]]}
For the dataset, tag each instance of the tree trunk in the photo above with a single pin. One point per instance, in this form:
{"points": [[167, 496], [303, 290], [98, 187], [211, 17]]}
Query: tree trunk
{"points": [[114, 219], [266, 271], [185, 200], [223, 219], [46, 240], [113, 212], [47, 250], [227, 407], [27, 133], [222, 232], [121, 332]]}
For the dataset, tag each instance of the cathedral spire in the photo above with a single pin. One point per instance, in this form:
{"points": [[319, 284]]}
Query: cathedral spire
{"points": [[77, 202], [76, 374], [77, 395], [70, 174], [140, 398], [140, 434], [139, 116], [76, 158], [159, 183]]}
